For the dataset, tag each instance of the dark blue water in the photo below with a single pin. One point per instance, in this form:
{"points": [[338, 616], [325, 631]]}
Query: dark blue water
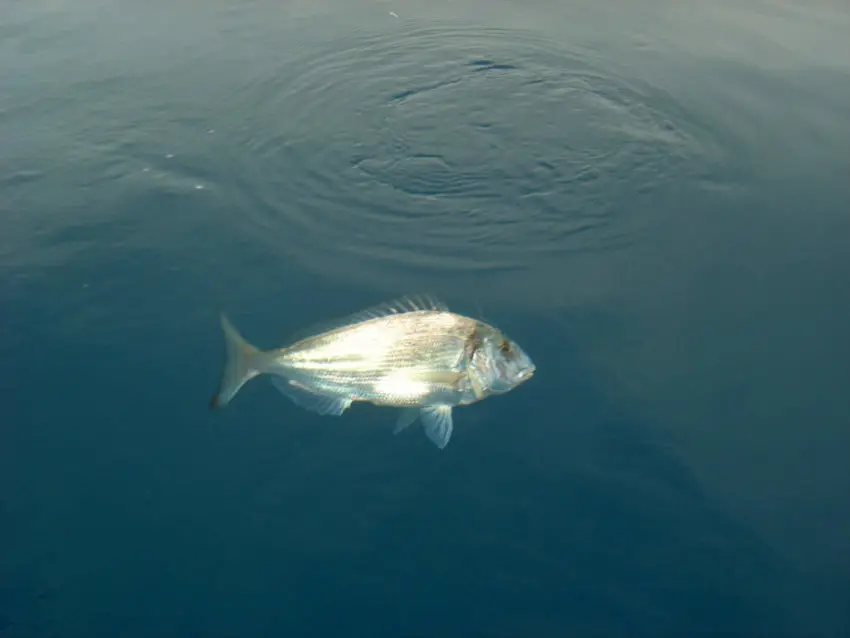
{"points": [[652, 198]]}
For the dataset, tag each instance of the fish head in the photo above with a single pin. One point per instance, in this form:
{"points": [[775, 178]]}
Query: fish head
{"points": [[498, 364]]}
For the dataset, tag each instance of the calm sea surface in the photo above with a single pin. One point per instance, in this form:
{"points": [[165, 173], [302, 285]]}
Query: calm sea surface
{"points": [[652, 198]]}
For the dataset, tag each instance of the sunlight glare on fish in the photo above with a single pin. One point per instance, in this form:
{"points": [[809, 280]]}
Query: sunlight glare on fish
{"points": [[401, 383]]}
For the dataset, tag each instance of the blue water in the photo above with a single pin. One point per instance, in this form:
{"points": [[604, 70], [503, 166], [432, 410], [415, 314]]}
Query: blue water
{"points": [[651, 198]]}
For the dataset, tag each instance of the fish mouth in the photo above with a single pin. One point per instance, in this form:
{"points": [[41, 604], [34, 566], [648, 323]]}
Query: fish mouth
{"points": [[526, 374]]}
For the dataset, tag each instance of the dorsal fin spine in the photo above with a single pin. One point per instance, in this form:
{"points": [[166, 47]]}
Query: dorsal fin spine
{"points": [[400, 305]]}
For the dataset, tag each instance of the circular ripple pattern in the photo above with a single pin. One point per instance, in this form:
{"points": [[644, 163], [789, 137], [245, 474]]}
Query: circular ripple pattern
{"points": [[455, 150]]}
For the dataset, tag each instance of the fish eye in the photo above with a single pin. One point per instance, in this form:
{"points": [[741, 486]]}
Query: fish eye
{"points": [[505, 346]]}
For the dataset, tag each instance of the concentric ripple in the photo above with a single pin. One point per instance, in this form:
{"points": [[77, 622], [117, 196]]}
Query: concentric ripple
{"points": [[455, 150]]}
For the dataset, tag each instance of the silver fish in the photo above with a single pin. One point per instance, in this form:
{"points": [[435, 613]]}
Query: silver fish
{"points": [[412, 353]]}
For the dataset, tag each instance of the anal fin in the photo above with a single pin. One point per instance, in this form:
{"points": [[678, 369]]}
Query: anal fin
{"points": [[311, 401]]}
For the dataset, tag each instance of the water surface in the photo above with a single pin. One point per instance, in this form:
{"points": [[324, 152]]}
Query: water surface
{"points": [[652, 200]]}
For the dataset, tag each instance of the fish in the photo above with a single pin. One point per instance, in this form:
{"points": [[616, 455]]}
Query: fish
{"points": [[411, 353]]}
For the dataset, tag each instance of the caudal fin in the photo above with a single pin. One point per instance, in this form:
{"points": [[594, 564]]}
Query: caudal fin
{"points": [[243, 362]]}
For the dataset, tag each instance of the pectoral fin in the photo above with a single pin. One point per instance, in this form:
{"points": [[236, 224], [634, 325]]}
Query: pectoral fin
{"points": [[437, 421], [310, 400], [407, 417]]}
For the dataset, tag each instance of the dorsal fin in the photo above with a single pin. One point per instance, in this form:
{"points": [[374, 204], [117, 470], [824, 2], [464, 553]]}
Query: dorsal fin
{"points": [[411, 303], [400, 305]]}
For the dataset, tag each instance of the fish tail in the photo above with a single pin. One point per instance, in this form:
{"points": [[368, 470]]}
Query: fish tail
{"points": [[242, 363]]}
